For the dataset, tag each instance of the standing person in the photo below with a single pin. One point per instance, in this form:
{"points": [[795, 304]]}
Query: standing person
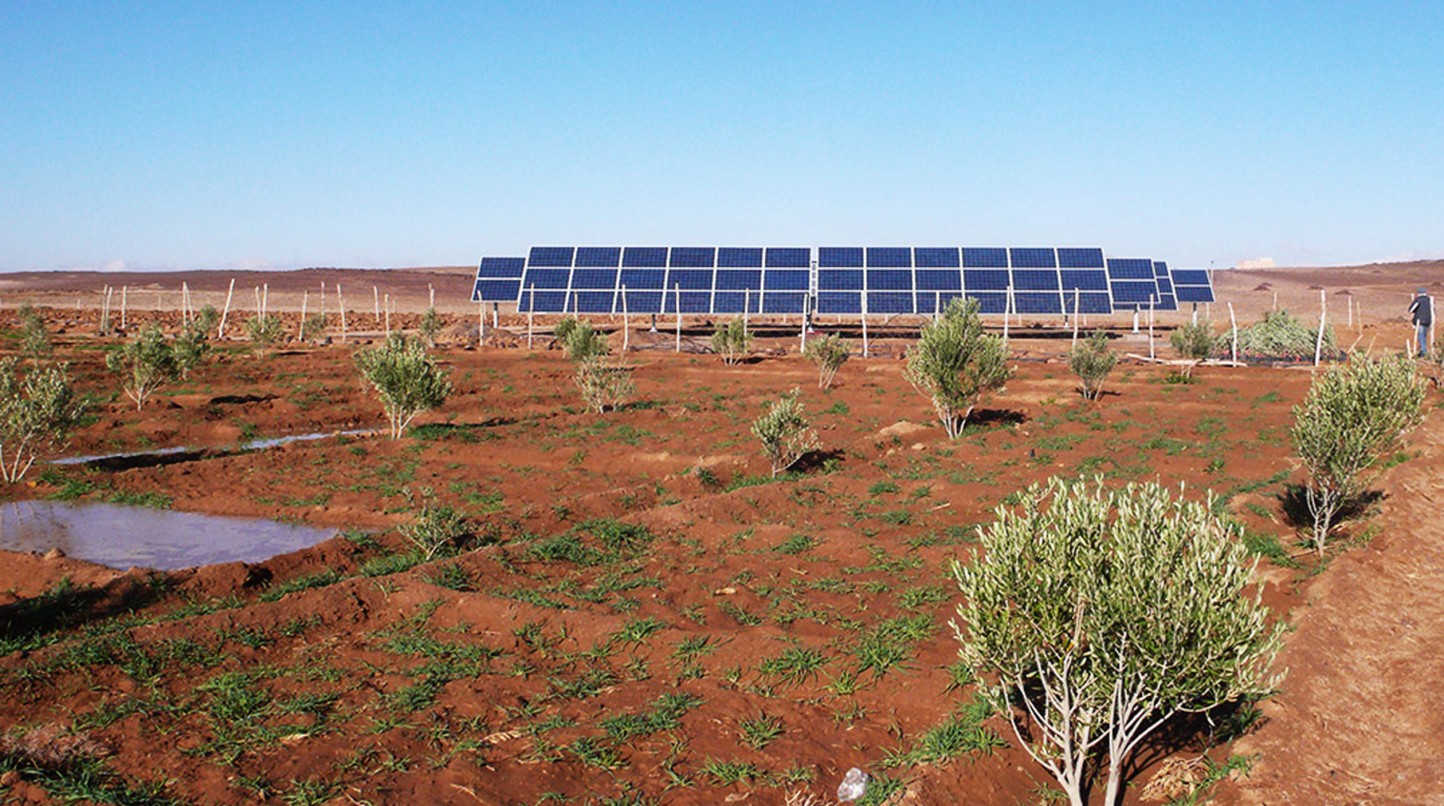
{"points": [[1422, 310]]}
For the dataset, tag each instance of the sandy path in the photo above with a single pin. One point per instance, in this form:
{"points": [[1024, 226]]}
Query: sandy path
{"points": [[1360, 714]]}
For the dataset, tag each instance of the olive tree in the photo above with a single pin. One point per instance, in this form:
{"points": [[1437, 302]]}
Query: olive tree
{"points": [[1091, 360], [829, 353], [784, 432], [1194, 342], [580, 340], [37, 413], [145, 364], [731, 340], [1095, 616], [407, 379], [605, 385], [430, 326], [34, 340], [1352, 415], [955, 363]]}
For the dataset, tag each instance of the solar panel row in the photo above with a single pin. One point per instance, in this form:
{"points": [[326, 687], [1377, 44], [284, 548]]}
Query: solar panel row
{"points": [[849, 280]]}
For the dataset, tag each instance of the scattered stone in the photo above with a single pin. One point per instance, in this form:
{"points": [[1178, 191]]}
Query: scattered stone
{"points": [[55, 554], [853, 785]]}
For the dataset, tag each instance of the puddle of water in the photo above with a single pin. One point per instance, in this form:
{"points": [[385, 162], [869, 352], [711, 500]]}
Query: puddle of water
{"points": [[121, 536], [252, 445]]}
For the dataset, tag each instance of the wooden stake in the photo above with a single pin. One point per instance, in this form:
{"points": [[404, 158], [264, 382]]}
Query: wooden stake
{"points": [[305, 295], [432, 291], [258, 303], [746, 303], [1276, 300], [221, 332], [1008, 311], [265, 300], [530, 315], [185, 304], [864, 326], [1233, 351], [122, 307], [376, 299], [803, 335], [1319, 341], [677, 299], [1075, 317], [341, 303], [626, 322], [480, 322], [1150, 329], [323, 297], [388, 315], [1351, 311]]}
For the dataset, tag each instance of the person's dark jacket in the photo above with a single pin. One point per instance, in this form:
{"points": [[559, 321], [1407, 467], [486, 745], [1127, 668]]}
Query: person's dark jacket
{"points": [[1423, 310]]}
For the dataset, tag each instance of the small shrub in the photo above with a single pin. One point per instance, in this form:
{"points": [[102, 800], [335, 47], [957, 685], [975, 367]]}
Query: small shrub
{"points": [[436, 527], [955, 363], [316, 326], [1280, 336], [829, 353], [1194, 342], [205, 320], [784, 433], [263, 331], [144, 364], [605, 386], [1353, 415], [430, 326], [563, 328], [34, 340], [581, 342], [731, 340], [1091, 360], [407, 379], [192, 345], [37, 413]]}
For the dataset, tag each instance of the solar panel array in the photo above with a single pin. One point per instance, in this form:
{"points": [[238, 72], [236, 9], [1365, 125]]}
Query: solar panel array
{"points": [[848, 280]]}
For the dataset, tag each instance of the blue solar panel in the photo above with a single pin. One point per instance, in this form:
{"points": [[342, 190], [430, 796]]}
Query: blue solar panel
{"points": [[932, 301], [842, 257], [786, 280], [739, 279], [594, 278], [644, 257], [782, 302], [692, 301], [976, 257], [1033, 258], [889, 280], [1160, 268], [732, 301], [932, 280], [1193, 293], [985, 279], [1074, 258], [743, 257], [789, 257], [546, 278], [507, 267], [839, 280], [1034, 302], [1130, 268], [1035, 280], [1133, 292], [694, 257], [605, 257], [551, 256], [641, 302], [1088, 301], [593, 301], [694, 279], [839, 302], [889, 257], [643, 279], [496, 290], [889, 302], [990, 302], [1167, 302], [1086, 279], [1190, 277], [936, 258], [542, 301]]}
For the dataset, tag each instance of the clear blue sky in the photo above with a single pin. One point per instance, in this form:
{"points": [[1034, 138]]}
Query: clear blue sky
{"points": [[200, 135]]}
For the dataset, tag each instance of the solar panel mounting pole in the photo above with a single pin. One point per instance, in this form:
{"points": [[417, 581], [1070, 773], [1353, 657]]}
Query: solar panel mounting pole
{"points": [[677, 300], [480, 321], [803, 335], [1075, 317]]}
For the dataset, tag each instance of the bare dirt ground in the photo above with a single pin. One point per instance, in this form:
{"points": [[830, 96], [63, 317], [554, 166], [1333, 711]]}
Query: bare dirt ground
{"points": [[645, 616]]}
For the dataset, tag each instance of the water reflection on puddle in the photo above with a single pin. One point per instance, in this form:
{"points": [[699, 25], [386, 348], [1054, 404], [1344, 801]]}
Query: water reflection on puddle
{"points": [[122, 536], [251, 445]]}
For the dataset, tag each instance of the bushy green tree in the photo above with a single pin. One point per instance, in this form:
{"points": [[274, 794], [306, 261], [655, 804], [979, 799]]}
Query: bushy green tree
{"points": [[1095, 616], [34, 340], [1091, 360], [193, 343], [605, 385], [263, 331], [784, 432], [1194, 342], [955, 363], [1280, 335], [829, 353], [1353, 415], [37, 414], [731, 340], [405, 377], [430, 326], [205, 320], [580, 341], [144, 363]]}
